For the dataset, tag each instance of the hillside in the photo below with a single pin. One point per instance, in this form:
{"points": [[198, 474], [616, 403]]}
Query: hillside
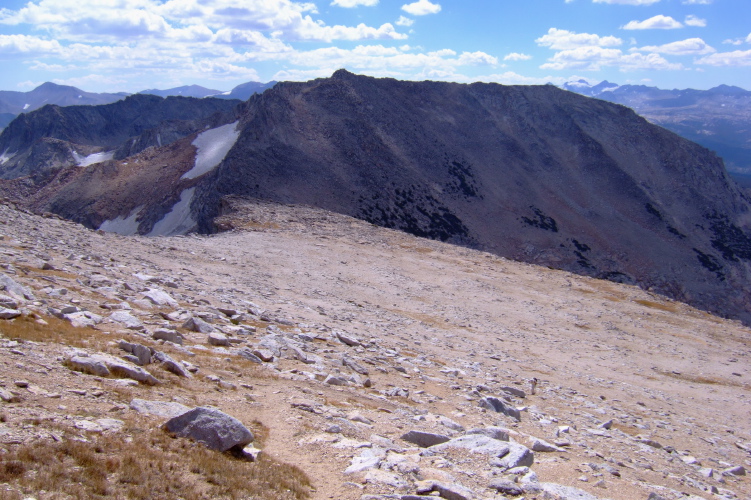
{"points": [[533, 173], [370, 334]]}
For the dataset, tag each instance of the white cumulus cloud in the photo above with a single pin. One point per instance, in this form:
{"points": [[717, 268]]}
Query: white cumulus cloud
{"points": [[695, 21], [658, 22], [421, 8], [516, 56], [404, 21], [733, 59], [595, 58], [691, 46], [562, 40], [697, 2]]}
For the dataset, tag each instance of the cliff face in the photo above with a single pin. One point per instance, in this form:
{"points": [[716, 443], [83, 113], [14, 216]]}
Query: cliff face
{"points": [[530, 173]]}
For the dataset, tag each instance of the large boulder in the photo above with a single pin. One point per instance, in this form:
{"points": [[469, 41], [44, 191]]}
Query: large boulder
{"points": [[214, 428]]}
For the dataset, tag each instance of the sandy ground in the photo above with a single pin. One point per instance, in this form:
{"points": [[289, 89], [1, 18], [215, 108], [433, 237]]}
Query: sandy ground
{"points": [[433, 319]]}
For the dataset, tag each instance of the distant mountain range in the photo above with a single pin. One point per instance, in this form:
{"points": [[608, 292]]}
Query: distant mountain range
{"points": [[532, 173], [14, 103], [718, 118], [241, 92]]}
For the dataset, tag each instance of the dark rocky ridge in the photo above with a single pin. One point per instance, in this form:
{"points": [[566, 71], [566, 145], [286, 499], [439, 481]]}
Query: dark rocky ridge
{"points": [[536, 174], [46, 138]]}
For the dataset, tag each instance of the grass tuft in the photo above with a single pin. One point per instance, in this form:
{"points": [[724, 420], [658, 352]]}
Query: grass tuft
{"points": [[26, 328], [149, 465]]}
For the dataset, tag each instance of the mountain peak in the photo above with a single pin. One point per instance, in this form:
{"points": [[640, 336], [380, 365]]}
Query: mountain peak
{"points": [[342, 74]]}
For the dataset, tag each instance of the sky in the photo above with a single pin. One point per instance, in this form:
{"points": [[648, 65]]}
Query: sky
{"points": [[132, 45]]}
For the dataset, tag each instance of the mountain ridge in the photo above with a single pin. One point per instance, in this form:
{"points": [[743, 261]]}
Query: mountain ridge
{"points": [[535, 173]]}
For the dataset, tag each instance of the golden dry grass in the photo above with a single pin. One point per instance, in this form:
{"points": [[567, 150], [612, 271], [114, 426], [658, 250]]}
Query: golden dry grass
{"points": [[702, 379], [670, 307], [26, 328], [150, 465]]}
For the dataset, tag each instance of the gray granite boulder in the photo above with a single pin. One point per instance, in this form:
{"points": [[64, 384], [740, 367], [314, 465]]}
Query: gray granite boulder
{"points": [[214, 428]]}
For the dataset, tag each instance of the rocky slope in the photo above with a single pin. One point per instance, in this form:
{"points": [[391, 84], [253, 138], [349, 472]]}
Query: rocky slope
{"points": [[352, 350], [531, 173], [56, 137], [718, 118]]}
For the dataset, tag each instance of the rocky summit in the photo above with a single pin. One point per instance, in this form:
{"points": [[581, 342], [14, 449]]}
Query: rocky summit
{"points": [[531, 173], [307, 354]]}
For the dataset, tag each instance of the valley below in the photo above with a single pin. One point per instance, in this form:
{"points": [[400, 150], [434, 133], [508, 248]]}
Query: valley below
{"points": [[349, 349]]}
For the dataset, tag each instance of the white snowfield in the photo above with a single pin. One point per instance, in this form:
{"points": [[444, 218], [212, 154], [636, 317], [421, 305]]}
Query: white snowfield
{"points": [[179, 220], [5, 156], [213, 145], [85, 161], [126, 226]]}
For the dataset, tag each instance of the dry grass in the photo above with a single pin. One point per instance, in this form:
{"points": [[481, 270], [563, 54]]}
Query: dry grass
{"points": [[150, 465], [627, 429], [702, 379], [669, 307], [26, 328]]}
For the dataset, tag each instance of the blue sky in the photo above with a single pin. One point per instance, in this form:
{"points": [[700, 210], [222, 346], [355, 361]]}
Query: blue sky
{"points": [[131, 45]]}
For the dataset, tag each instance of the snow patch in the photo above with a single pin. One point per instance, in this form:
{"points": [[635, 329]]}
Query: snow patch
{"points": [[159, 140], [5, 157], [85, 161], [126, 226], [179, 220], [26, 106], [213, 145]]}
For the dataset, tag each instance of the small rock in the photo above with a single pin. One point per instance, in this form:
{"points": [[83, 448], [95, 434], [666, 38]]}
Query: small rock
{"points": [[6, 313], [334, 380], [543, 446], [88, 365], [345, 339], [127, 320], [264, 354], [218, 339], [248, 354], [518, 456], [158, 408], [492, 432], [168, 335], [494, 404], [424, 439], [506, 487], [198, 325], [159, 297], [141, 352], [514, 391], [360, 464], [251, 453], [738, 470], [8, 396]]}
